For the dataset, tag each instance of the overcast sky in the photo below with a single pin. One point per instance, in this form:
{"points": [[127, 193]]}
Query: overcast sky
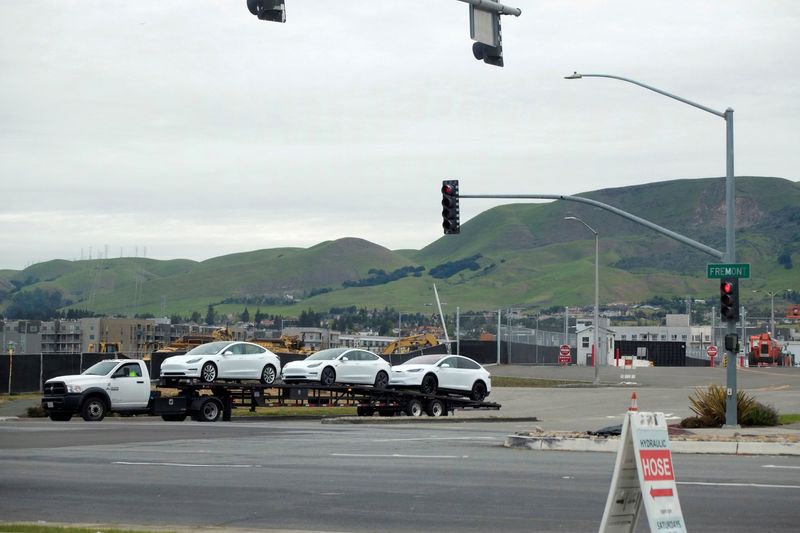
{"points": [[192, 129]]}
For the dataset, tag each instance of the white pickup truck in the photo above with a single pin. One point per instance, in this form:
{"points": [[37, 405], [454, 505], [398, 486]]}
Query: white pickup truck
{"points": [[115, 385]]}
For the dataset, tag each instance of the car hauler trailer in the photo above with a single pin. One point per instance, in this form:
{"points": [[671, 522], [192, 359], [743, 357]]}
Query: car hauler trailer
{"points": [[209, 402]]}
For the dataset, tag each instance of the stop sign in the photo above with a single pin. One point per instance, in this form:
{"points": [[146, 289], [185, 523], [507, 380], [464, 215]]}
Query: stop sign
{"points": [[564, 349], [711, 351]]}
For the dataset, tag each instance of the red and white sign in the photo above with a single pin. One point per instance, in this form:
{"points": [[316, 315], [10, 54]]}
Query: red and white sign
{"points": [[711, 351], [645, 443], [564, 355]]}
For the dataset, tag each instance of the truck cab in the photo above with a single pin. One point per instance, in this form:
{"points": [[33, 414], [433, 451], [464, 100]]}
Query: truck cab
{"points": [[113, 385]]}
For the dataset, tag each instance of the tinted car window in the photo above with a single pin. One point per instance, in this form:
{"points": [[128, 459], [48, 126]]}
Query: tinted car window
{"points": [[253, 349], [450, 361], [367, 356], [326, 355], [463, 362], [207, 349], [354, 355], [236, 349]]}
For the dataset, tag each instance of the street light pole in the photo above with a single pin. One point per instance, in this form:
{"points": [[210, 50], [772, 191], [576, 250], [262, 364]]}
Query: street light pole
{"points": [[730, 218], [771, 295], [597, 351]]}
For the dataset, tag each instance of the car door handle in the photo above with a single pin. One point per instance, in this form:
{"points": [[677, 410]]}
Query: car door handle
{"points": [[140, 382]]}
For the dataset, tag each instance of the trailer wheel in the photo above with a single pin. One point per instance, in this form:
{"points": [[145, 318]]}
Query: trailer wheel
{"points": [[94, 409], [209, 411], [414, 408], [268, 375], [381, 380], [434, 408], [174, 418], [208, 373], [60, 417], [428, 385], [478, 391], [328, 376], [365, 410]]}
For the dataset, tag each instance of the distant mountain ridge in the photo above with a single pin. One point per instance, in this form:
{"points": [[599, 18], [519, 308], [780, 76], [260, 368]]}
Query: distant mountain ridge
{"points": [[516, 254]]}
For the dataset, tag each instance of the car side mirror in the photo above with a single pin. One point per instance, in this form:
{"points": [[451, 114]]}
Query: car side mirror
{"points": [[445, 365], [228, 353], [345, 359]]}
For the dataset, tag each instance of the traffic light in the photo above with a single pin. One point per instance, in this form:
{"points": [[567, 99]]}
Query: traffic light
{"points": [[492, 55], [732, 343], [729, 299], [273, 10], [450, 209]]}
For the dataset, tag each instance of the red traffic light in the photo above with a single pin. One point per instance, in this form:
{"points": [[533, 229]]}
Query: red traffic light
{"points": [[448, 189], [726, 287]]}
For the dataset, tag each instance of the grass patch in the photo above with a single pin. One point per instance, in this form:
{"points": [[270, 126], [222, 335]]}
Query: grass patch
{"points": [[789, 418], [298, 411], [22, 396], [501, 381], [41, 528]]}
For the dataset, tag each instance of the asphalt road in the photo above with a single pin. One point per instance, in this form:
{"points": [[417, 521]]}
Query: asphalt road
{"points": [[303, 475]]}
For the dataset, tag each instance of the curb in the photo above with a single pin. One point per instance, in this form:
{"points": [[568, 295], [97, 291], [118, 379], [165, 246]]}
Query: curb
{"points": [[593, 444], [421, 419]]}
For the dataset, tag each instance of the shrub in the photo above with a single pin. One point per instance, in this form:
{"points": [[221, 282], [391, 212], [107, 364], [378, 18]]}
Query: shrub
{"points": [[760, 415], [709, 405], [36, 412]]}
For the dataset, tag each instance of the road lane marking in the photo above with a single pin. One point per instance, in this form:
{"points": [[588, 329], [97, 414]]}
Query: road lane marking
{"points": [[781, 466], [756, 485], [434, 438], [399, 456], [189, 465]]}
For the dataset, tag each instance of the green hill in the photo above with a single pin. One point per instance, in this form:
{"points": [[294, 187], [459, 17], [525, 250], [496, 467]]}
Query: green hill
{"points": [[517, 254]]}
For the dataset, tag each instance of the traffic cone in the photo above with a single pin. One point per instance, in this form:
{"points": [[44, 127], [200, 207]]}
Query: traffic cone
{"points": [[634, 406]]}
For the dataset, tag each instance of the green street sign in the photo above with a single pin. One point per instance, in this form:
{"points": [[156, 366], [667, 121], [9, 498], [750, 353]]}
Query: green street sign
{"points": [[728, 270]]}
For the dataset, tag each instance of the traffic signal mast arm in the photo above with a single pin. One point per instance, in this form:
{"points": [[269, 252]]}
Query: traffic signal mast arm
{"points": [[664, 231], [494, 7]]}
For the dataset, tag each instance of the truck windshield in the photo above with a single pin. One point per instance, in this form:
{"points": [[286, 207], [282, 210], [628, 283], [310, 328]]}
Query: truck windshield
{"points": [[100, 369]]}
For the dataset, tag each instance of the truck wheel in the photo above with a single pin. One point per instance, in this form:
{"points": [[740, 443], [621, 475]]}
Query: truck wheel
{"points": [[328, 377], [268, 375], [414, 408], [94, 409], [173, 418], [209, 411], [381, 380], [428, 385], [208, 373], [60, 417], [478, 391], [434, 408]]}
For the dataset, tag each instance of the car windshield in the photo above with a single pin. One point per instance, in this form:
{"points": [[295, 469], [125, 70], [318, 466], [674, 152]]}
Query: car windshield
{"points": [[425, 359], [100, 369], [209, 348], [326, 355]]}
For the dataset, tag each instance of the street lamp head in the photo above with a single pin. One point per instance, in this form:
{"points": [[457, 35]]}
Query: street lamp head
{"points": [[573, 76]]}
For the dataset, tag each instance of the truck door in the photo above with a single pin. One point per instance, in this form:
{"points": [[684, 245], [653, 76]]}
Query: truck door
{"points": [[127, 388]]}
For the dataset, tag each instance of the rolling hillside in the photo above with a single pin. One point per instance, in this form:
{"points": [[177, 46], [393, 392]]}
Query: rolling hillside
{"points": [[511, 255]]}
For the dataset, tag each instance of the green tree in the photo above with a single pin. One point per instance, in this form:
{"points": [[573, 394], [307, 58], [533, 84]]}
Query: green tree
{"points": [[195, 317], [211, 315], [245, 316]]}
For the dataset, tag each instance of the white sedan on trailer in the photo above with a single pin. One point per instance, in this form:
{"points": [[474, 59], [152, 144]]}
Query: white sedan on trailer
{"points": [[339, 365], [223, 360], [442, 372]]}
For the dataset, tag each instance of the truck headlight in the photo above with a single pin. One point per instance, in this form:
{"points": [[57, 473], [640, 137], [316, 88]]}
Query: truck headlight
{"points": [[73, 388]]}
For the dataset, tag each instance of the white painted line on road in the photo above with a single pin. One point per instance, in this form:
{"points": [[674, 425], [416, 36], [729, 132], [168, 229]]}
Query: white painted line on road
{"points": [[757, 485], [130, 463], [400, 456], [781, 466], [435, 438]]}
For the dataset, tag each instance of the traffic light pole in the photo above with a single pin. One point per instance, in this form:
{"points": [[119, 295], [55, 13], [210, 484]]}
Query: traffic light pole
{"points": [[731, 416]]}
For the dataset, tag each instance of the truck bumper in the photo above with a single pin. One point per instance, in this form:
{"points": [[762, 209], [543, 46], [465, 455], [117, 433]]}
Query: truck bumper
{"points": [[67, 403]]}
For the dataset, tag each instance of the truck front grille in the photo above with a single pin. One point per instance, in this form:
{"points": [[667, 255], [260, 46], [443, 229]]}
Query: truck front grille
{"points": [[55, 388]]}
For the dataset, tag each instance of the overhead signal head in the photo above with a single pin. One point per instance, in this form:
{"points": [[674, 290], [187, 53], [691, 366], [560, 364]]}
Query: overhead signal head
{"points": [[450, 208]]}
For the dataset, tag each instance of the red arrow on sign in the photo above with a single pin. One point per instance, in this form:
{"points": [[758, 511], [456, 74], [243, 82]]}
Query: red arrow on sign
{"points": [[655, 493]]}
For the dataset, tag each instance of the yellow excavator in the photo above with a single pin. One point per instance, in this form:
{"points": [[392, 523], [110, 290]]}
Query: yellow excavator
{"points": [[411, 343]]}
